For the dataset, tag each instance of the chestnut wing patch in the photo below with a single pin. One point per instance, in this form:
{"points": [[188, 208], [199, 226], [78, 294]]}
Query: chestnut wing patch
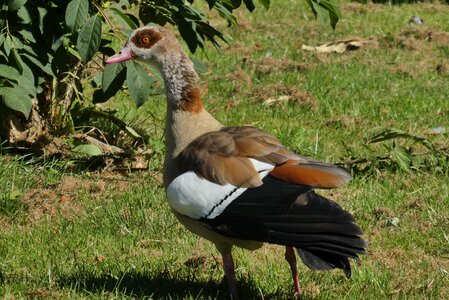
{"points": [[224, 156], [312, 173]]}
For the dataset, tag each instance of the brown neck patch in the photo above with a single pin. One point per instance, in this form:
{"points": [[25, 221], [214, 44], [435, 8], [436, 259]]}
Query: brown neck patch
{"points": [[191, 100], [146, 38]]}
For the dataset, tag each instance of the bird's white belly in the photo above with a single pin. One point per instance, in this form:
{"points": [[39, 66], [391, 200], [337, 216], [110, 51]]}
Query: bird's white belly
{"points": [[198, 198]]}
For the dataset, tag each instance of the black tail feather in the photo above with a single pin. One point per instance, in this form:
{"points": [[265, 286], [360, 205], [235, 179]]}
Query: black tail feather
{"points": [[323, 233], [320, 261]]}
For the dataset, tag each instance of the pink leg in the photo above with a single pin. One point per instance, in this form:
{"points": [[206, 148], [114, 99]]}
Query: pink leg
{"points": [[290, 257], [228, 265]]}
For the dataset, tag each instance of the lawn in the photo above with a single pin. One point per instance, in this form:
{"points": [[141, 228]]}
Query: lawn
{"points": [[108, 234]]}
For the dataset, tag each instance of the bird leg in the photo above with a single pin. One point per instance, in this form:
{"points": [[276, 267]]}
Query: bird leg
{"points": [[228, 266], [290, 257]]}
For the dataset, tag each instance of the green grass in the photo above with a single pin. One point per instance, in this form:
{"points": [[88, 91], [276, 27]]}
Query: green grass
{"points": [[89, 235]]}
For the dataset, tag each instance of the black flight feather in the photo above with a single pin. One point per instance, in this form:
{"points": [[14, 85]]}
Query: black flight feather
{"points": [[283, 213]]}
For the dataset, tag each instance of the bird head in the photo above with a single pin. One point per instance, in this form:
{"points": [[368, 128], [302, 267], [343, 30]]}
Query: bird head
{"points": [[149, 43]]}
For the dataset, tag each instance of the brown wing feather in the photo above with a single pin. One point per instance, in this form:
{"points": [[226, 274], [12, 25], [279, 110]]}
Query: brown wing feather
{"points": [[313, 173], [223, 157]]}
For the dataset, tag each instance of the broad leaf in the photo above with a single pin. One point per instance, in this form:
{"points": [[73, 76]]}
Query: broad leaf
{"points": [[25, 15], [2, 38], [132, 132], [333, 12], [383, 134], [7, 45], [88, 149], [43, 12], [46, 68], [114, 76], [15, 4], [402, 157], [249, 5], [16, 99], [188, 34], [26, 80], [111, 72], [325, 10], [15, 57], [9, 72], [139, 82], [124, 17], [76, 14], [89, 38]]}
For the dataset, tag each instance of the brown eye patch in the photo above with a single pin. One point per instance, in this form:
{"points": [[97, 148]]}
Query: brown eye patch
{"points": [[146, 38]]}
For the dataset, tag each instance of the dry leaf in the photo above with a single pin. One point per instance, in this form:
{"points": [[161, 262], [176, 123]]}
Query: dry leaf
{"points": [[340, 46]]}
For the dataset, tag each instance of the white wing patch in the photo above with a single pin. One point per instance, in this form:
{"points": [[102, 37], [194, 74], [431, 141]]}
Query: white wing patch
{"points": [[198, 198]]}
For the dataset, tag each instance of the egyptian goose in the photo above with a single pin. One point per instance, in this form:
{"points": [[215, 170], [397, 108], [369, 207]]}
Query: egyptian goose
{"points": [[239, 186]]}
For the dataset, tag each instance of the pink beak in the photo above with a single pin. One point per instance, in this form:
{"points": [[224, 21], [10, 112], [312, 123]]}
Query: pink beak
{"points": [[124, 54]]}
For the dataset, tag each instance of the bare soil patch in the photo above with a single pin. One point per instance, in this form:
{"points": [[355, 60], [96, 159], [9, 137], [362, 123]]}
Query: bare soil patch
{"points": [[61, 199], [47, 203]]}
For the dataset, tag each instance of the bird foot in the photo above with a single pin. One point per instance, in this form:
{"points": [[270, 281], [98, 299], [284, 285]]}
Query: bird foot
{"points": [[290, 257], [228, 266]]}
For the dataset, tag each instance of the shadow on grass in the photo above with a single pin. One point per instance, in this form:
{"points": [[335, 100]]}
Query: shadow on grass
{"points": [[154, 286]]}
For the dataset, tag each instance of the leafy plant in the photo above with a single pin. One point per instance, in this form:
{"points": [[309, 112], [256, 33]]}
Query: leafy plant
{"points": [[417, 153], [50, 50]]}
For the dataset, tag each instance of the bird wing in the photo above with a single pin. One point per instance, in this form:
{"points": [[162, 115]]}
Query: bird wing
{"points": [[217, 167], [224, 157]]}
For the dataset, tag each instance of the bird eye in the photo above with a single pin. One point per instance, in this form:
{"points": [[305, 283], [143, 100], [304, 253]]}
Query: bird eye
{"points": [[145, 40]]}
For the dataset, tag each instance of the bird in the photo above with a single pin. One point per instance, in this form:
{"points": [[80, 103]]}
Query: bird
{"points": [[238, 186]]}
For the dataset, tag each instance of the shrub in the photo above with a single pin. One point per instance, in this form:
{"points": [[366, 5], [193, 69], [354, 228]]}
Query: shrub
{"points": [[47, 48]]}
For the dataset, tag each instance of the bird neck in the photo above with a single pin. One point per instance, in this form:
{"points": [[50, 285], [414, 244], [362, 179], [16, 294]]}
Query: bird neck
{"points": [[186, 119], [180, 81]]}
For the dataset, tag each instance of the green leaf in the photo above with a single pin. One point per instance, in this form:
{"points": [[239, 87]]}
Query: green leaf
{"points": [[111, 72], [89, 38], [17, 60], [383, 134], [76, 14], [88, 149], [26, 81], [249, 5], [124, 17], [132, 132], [15, 4], [2, 38], [7, 45], [265, 3], [325, 10], [9, 72], [43, 12], [16, 99], [188, 34], [334, 13], [24, 14], [113, 78], [46, 68], [402, 157], [139, 82], [27, 35]]}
